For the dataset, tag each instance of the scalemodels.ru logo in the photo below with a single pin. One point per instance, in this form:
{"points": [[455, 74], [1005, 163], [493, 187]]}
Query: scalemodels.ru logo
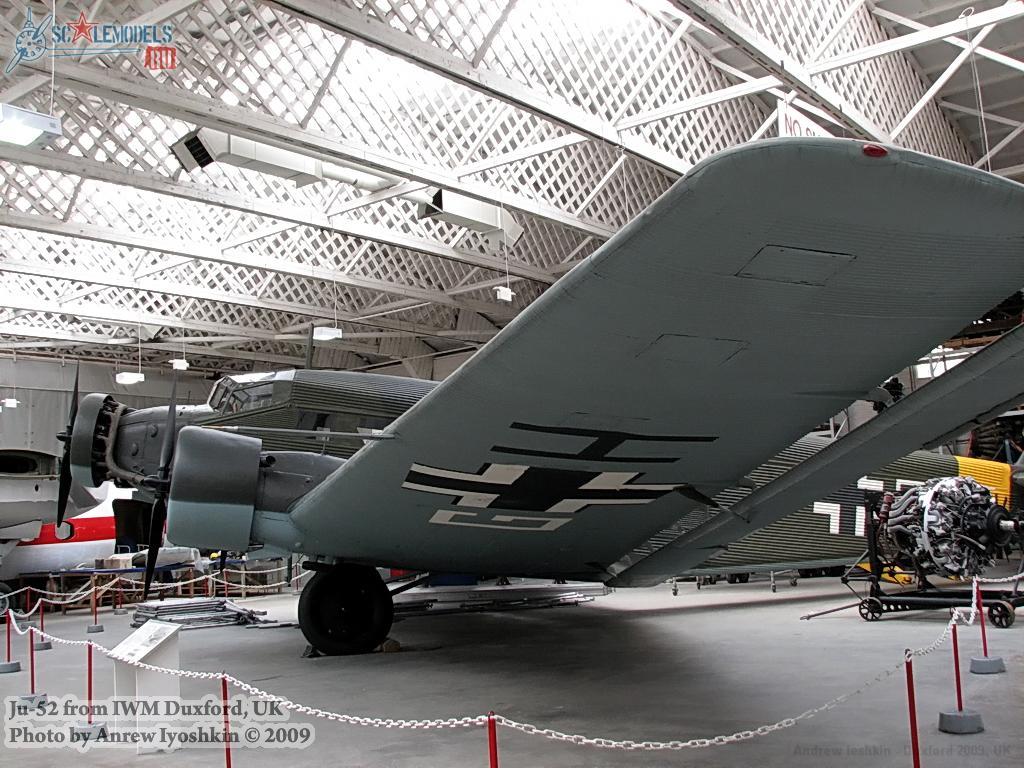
{"points": [[84, 37]]}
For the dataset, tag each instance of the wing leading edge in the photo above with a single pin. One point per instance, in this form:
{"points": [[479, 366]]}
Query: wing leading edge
{"points": [[768, 288]]}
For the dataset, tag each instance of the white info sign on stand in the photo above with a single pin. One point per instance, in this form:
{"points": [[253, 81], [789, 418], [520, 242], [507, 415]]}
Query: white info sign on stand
{"points": [[156, 643]]}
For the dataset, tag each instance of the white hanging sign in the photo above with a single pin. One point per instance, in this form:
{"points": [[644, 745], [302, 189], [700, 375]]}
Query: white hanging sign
{"points": [[793, 122]]}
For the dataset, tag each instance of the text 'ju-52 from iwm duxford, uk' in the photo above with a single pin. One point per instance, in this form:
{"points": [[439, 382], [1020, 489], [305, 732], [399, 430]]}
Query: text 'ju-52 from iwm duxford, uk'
{"points": [[768, 289]]}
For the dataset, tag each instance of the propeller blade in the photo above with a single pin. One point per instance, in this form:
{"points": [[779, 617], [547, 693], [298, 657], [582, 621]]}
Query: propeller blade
{"points": [[64, 481], [167, 449], [74, 402], [64, 485], [157, 518]]}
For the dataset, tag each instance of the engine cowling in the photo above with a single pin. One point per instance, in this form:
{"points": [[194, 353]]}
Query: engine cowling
{"points": [[213, 489], [222, 481]]}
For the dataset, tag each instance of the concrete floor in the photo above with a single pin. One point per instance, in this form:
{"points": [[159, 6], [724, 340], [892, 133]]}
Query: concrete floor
{"points": [[637, 664]]}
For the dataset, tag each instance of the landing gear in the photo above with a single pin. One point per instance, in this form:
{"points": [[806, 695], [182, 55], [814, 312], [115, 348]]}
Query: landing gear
{"points": [[346, 610]]}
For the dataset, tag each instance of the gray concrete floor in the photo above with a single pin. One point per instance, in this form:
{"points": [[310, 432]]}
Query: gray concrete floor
{"points": [[637, 664]]}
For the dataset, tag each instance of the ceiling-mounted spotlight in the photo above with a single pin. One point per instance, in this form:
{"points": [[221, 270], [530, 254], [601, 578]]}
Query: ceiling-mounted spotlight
{"points": [[179, 364], [504, 293], [497, 225], [27, 128], [9, 402], [205, 146]]}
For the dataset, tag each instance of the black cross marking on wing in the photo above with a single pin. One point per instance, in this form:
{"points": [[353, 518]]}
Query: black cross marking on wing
{"points": [[535, 489], [603, 443]]}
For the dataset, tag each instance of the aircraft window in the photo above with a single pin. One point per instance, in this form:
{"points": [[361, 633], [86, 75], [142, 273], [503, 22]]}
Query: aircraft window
{"points": [[218, 393], [336, 422], [229, 384], [244, 398]]}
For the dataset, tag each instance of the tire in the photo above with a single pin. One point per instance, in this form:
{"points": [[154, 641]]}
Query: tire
{"points": [[731, 578], [346, 610], [742, 578]]}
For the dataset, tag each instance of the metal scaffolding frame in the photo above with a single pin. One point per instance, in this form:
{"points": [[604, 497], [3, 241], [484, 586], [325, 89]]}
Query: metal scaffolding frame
{"points": [[573, 121]]}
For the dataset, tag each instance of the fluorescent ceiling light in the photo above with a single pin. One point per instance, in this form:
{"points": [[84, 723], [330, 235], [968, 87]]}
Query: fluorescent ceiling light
{"points": [[10, 402], [504, 293], [325, 333], [27, 128], [179, 364], [130, 377]]}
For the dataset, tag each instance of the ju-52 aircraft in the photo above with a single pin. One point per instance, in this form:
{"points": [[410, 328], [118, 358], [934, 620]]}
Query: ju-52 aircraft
{"points": [[615, 429]]}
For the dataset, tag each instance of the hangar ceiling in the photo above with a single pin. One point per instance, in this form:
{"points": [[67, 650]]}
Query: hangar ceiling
{"points": [[571, 120]]}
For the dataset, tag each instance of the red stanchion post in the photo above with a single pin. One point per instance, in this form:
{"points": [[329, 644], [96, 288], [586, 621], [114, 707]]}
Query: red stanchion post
{"points": [[9, 666], [915, 747], [956, 671], [492, 740], [88, 684], [32, 660], [981, 618], [42, 615], [227, 721]]}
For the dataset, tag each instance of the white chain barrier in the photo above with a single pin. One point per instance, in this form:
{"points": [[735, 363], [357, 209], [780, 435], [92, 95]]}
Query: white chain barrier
{"points": [[957, 616]]}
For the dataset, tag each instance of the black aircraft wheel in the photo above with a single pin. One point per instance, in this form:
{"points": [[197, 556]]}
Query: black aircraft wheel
{"points": [[731, 578], [346, 610], [742, 578], [1001, 614], [870, 609]]}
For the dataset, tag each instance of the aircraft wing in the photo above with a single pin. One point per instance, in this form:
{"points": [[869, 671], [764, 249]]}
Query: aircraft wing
{"points": [[762, 293], [947, 405]]}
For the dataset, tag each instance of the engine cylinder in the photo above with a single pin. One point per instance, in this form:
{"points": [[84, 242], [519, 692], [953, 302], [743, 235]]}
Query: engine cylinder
{"points": [[950, 526]]}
